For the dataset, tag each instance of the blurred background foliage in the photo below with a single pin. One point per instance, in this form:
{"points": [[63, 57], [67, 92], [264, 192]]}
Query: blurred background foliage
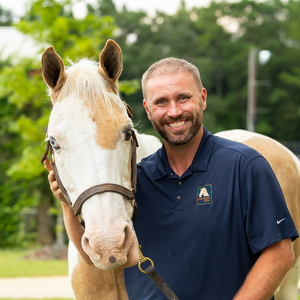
{"points": [[216, 39]]}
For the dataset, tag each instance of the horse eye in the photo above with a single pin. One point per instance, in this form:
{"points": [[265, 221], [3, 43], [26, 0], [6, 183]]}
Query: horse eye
{"points": [[53, 143], [128, 135]]}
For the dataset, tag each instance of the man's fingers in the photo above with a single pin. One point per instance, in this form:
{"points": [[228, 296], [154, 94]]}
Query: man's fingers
{"points": [[54, 186], [53, 183], [47, 164], [51, 177]]}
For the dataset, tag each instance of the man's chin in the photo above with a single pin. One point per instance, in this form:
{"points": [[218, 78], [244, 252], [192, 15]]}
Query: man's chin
{"points": [[181, 137], [177, 140]]}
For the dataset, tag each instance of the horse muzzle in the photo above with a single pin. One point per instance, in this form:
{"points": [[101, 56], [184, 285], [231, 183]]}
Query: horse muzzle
{"points": [[110, 249]]}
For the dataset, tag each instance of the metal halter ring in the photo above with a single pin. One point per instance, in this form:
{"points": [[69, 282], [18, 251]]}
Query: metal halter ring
{"points": [[144, 259]]}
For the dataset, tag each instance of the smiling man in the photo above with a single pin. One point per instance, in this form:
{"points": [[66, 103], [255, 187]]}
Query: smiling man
{"points": [[183, 116], [207, 206], [175, 107]]}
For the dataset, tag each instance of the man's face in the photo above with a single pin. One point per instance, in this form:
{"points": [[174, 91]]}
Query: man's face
{"points": [[175, 107]]}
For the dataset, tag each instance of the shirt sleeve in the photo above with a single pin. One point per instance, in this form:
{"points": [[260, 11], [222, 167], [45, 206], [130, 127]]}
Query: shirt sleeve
{"points": [[267, 219]]}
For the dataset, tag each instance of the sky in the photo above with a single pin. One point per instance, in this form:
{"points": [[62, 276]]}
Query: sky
{"points": [[171, 6]]}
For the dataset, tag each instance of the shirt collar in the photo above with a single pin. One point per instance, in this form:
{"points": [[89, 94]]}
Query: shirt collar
{"points": [[200, 161]]}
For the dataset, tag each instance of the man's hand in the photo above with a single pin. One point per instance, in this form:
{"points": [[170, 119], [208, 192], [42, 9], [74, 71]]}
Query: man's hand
{"points": [[52, 181]]}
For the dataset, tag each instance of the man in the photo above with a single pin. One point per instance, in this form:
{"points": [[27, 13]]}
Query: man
{"points": [[201, 222], [207, 206]]}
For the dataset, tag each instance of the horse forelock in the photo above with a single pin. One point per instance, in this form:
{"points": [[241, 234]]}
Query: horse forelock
{"points": [[86, 85]]}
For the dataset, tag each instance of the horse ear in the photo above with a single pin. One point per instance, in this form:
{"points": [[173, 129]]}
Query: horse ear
{"points": [[53, 69], [111, 63]]}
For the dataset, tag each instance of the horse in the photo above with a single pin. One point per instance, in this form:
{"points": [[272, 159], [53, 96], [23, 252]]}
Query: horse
{"points": [[286, 167], [90, 132]]}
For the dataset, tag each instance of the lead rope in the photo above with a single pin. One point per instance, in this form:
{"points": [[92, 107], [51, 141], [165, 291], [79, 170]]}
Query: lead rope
{"points": [[155, 277]]}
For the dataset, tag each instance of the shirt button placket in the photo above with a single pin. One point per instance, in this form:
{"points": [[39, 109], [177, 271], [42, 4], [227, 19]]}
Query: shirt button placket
{"points": [[179, 183]]}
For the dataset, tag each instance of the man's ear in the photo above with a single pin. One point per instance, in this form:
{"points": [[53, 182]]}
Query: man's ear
{"points": [[146, 109], [203, 98]]}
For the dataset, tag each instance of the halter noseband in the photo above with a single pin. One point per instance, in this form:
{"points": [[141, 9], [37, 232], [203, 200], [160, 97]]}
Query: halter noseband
{"points": [[100, 188]]}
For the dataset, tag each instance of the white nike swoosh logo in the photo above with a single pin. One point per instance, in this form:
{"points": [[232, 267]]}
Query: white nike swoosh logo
{"points": [[278, 222]]}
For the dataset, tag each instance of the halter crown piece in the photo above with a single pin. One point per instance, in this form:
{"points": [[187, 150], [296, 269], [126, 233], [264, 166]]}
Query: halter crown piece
{"points": [[100, 188]]}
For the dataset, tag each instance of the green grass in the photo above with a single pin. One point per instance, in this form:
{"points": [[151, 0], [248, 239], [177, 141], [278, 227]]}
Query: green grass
{"points": [[13, 264]]}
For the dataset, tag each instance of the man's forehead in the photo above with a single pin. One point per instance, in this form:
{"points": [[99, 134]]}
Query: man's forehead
{"points": [[170, 85], [168, 73], [178, 78]]}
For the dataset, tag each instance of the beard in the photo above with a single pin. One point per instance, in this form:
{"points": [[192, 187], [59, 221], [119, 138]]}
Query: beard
{"points": [[180, 137]]}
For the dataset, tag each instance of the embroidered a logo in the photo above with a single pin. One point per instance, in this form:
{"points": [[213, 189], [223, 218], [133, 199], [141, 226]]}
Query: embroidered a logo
{"points": [[204, 195]]}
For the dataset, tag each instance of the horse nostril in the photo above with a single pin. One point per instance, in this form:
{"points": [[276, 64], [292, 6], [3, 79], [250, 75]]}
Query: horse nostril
{"points": [[86, 240], [112, 259]]}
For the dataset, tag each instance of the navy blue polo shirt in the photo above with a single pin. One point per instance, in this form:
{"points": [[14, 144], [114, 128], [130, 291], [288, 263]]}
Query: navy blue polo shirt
{"points": [[205, 230]]}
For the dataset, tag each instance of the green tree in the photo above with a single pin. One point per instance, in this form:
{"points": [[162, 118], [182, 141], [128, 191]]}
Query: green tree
{"points": [[12, 198], [267, 25], [10, 193], [24, 93]]}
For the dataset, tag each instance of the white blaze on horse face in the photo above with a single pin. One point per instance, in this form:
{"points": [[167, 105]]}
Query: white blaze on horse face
{"points": [[93, 150]]}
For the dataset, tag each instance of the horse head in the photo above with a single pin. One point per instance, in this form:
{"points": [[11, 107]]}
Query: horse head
{"points": [[89, 131]]}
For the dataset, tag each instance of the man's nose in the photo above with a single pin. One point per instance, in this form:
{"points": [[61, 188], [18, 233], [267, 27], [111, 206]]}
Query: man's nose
{"points": [[174, 109]]}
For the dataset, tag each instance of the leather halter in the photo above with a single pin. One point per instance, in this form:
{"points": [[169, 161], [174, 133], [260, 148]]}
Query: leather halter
{"points": [[100, 188]]}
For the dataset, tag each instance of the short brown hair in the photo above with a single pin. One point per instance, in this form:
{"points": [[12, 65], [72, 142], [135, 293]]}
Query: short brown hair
{"points": [[168, 66]]}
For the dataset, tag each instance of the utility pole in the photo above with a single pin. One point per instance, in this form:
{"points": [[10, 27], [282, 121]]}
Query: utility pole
{"points": [[251, 103]]}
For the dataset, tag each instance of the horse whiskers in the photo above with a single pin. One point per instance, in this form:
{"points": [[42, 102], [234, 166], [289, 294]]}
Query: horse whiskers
{"points": [[138, 125]]}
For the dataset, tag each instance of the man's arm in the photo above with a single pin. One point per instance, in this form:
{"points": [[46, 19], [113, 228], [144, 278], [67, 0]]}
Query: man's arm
{"points": [[73, 227], [268, 271]]}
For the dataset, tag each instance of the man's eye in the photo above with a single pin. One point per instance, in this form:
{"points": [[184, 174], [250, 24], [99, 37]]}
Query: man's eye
{"points": [[53, 143], [160, 102]]}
